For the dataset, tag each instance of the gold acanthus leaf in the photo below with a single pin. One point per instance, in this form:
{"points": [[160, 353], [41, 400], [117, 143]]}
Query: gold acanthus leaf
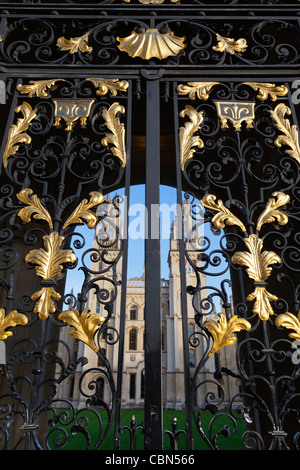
{"points": [[17, 134], [12, 319], [49, 264], [258, 267], [266, 89], [291, 322], [86, 325], [74, 45], [49, 261], [45, 301], [222, 331], [38, 88], [271, 212], [187, 139], [83, 211], [290, 135], [108, 85], [230, 45], [35, 207], [200, 89], [224, 216], [117, 136]]}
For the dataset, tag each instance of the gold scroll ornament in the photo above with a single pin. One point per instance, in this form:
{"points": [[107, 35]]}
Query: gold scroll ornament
{"points": [[289, 136], [74, 45], [230, 45], [117, 135], [187, 138], [38, 88], [17, 134], [49, 260], [257, 262]]}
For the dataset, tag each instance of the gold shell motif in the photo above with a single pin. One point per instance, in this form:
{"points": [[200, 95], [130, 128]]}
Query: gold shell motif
{"points": [[151, 43]]}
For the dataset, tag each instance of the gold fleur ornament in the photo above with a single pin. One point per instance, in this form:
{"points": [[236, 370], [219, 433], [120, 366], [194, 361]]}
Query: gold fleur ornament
{"points": [[71, 111], [151, 43]]}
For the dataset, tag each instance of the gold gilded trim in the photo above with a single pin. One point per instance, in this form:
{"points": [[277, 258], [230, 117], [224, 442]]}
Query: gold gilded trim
{"points": [[291, 322], [38, 88], [12, 319], [74, 45], [257, 262], [200, 89], [223, 216], [71, 111], [222, 331], [230, 45], [49, 260], [117, 135], [86, 325], [82, 211], [108, 85], [290, 135], [35, 207], [49, 264], [258, 267], [267, 89], [236, 112], [17, 132], [187, 139], [271, 212], [151, 43]]}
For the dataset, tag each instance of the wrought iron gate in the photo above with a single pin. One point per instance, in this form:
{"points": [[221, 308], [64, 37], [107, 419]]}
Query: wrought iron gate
{"points": [[102, 95]]}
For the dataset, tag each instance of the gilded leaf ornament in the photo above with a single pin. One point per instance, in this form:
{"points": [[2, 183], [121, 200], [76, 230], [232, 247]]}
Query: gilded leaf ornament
{"points": [[83, 211], [258, 267], [222, 331], [268, 89], [12, 319], [108, 85], [257, 262], [117, 135], [38, 88], [34, 207], [224, 216], [201, 89], [291, 322], [86, 325], [290, 136], [230, 45], [271, 212], [17, 132], [74, 45], [49, 264], [187, 139]]}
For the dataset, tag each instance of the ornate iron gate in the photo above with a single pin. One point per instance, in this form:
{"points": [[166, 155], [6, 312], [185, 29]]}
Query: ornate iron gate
{"points": [[99, 96]]}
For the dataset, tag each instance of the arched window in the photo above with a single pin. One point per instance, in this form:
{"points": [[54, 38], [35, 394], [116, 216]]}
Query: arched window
{"points": [[133, 339], [133, 313]]}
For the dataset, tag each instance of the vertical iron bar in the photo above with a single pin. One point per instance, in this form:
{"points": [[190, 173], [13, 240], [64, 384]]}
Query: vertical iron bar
{"points": [[183, 293], [153, 382], [117, 431]]}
